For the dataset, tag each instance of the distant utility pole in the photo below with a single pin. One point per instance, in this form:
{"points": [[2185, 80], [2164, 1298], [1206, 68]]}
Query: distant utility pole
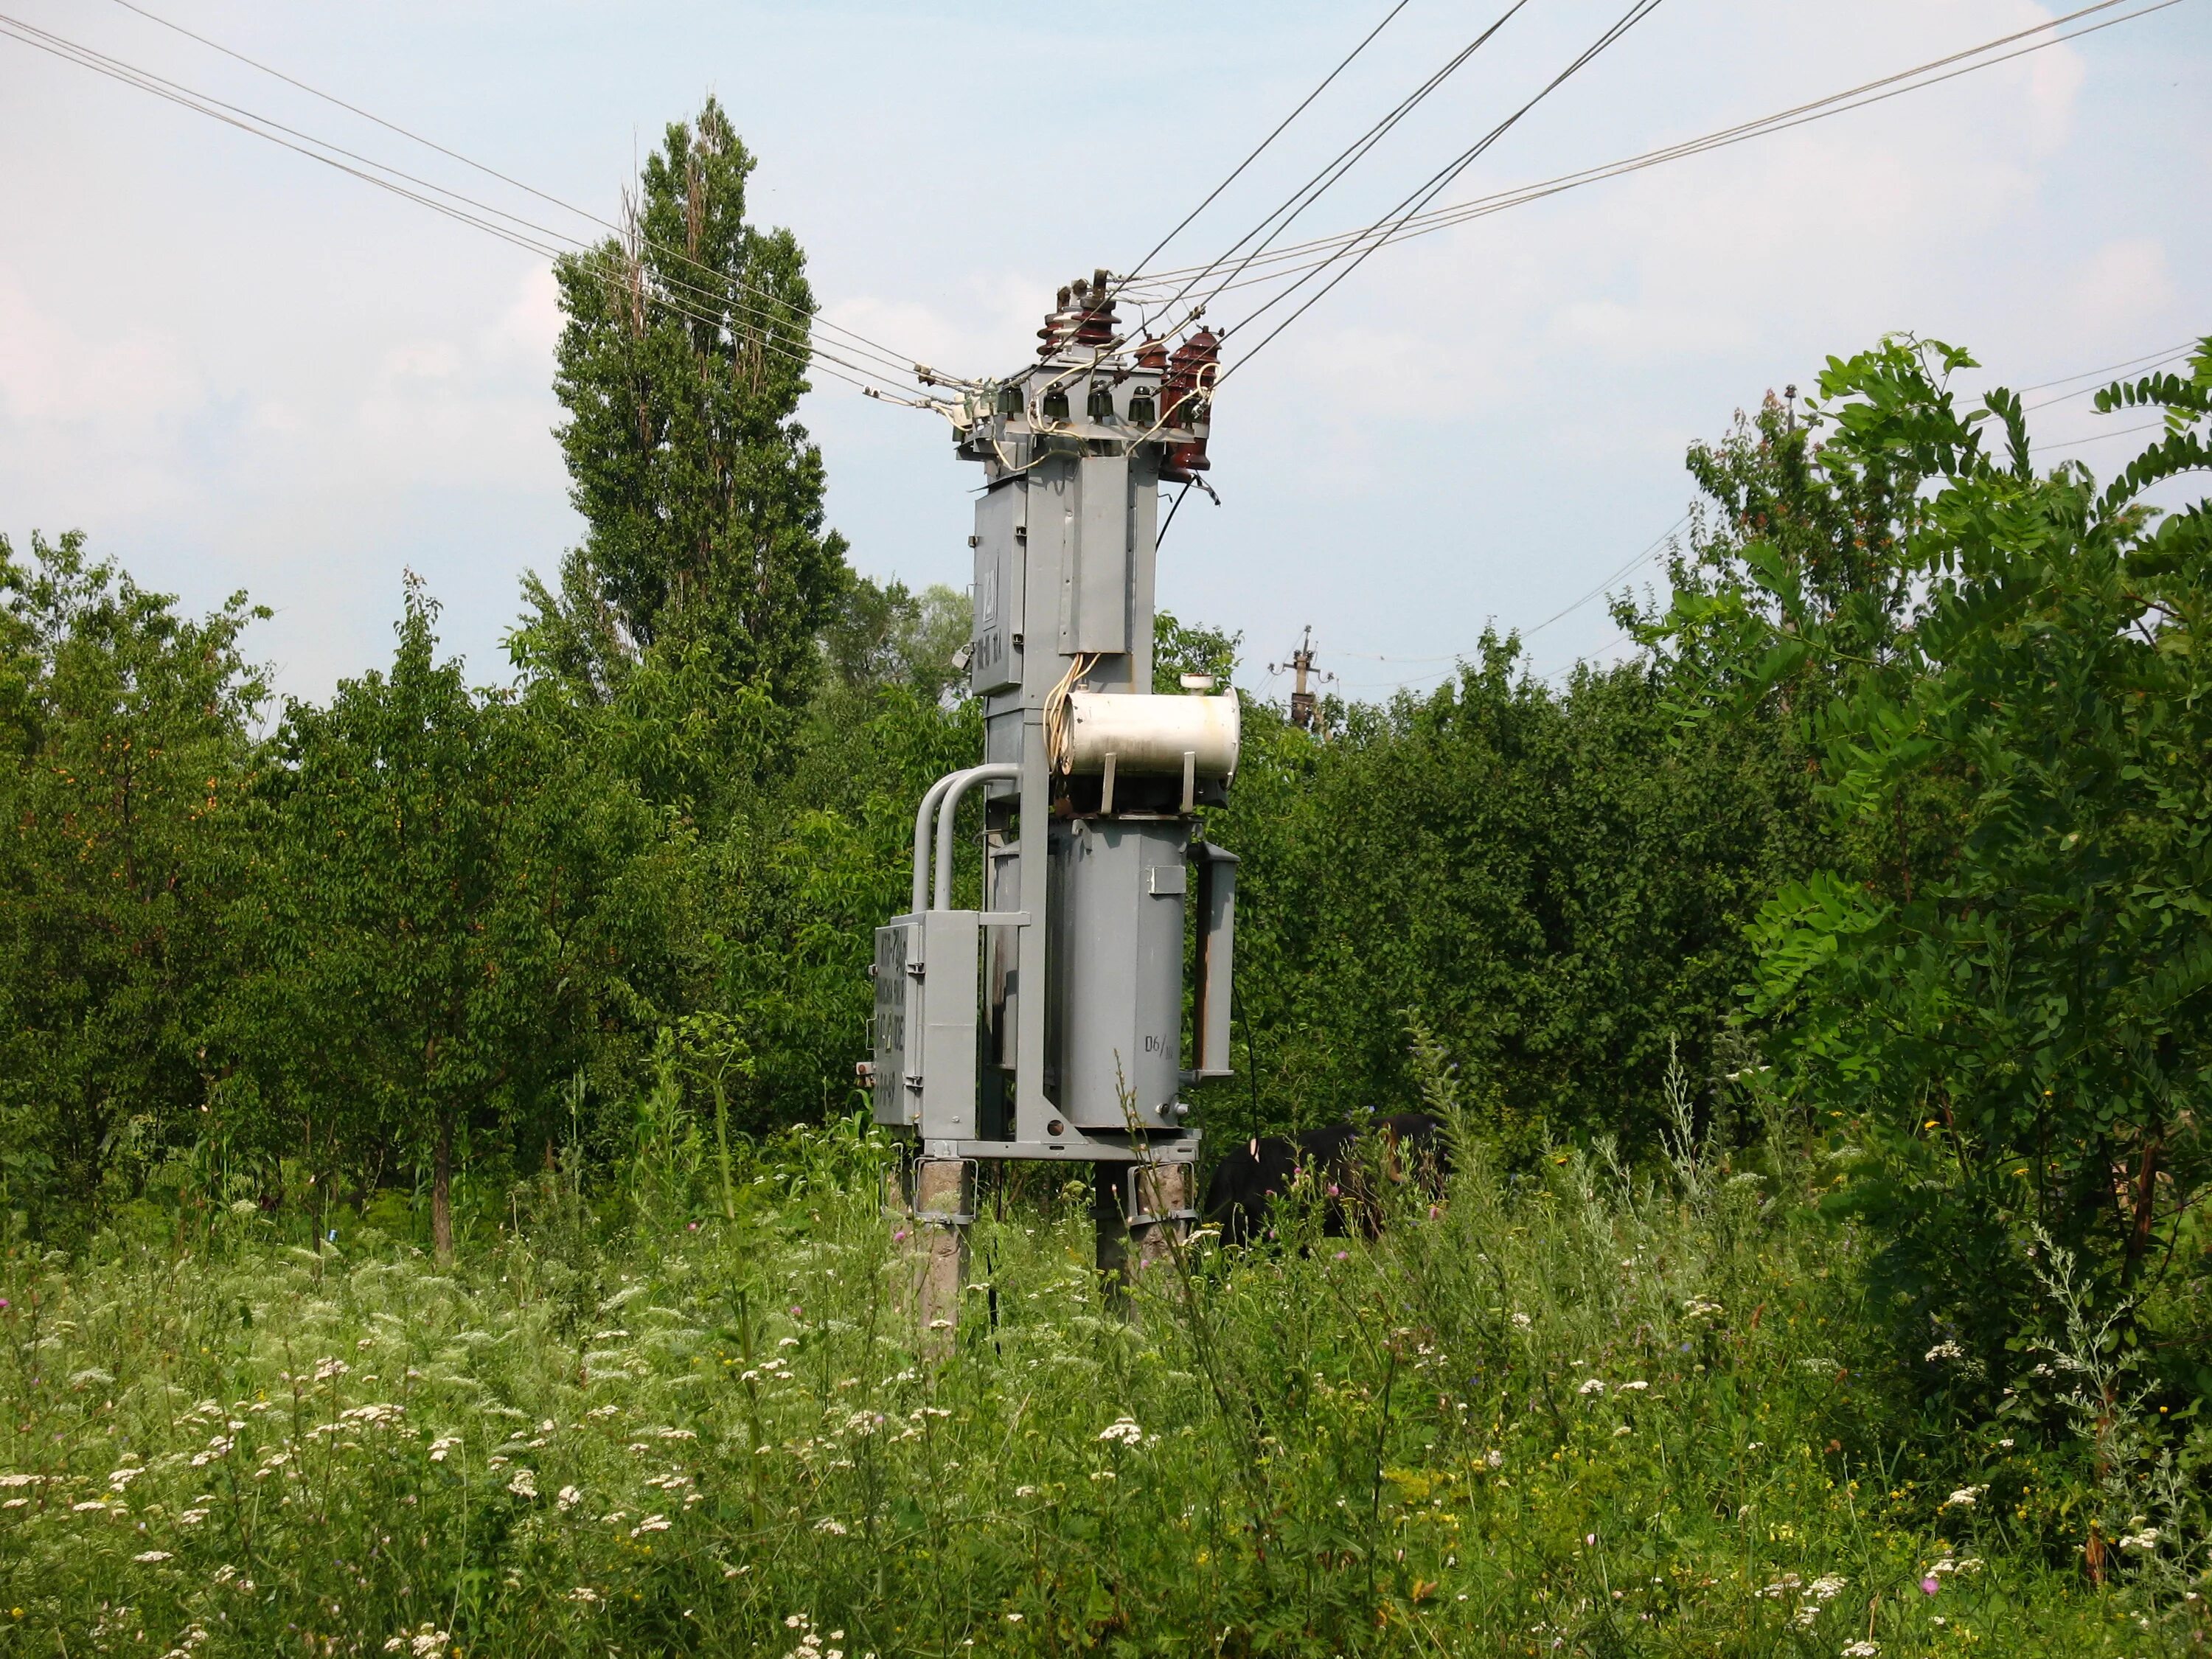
{"points": [[1303, 707]]}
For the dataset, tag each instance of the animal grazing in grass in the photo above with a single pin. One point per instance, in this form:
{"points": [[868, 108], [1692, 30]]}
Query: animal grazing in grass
{"points": [[1253, 1177]]}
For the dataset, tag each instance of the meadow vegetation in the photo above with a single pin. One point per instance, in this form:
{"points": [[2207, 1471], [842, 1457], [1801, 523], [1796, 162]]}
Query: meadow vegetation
{"points": [[1581, 1407]]}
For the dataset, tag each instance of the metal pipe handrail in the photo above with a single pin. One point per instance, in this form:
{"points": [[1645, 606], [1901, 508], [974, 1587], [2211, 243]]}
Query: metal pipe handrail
{"points": [[955, 786], [922, 848]]}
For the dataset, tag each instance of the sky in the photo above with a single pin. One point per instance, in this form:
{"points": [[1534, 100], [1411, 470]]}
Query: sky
{"points": [[233, 368]]}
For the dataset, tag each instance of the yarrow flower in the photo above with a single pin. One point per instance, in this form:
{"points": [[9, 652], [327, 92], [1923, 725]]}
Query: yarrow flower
{"points": [[1945, 1351], [524, 1484], [441, 1445], [1866, 1650], [1123, 1429], [569, 1496], [151, 1556], [1595, 1385], [1964, 1498]]}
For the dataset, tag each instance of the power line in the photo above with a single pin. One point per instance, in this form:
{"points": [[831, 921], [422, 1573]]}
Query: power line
{"points": [[521, 233], [1290, 260], [900, 360], [1331, 171], [533, 237], [1238, 169], [1666, 536], [1413, 204], [2095, 376]]}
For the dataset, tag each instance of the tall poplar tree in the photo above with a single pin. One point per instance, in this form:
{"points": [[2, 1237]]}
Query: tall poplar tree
{"points": [[681, 368]]}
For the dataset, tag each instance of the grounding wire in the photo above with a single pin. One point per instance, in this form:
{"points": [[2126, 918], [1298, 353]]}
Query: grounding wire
{"points": [[517, 232], [905, 364], [1184, 223], [1297, 256], [1426, 194]]}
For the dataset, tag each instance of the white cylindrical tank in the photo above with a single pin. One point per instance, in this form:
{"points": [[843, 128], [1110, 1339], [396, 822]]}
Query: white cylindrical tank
{"points": [[1151, 734]]}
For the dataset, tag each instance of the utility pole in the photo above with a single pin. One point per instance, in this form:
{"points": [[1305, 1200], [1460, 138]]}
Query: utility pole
{"points": [[1047, 1022], [1304, 706]]}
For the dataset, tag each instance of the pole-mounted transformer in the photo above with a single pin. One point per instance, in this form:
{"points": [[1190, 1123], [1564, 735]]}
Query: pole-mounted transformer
{"points": [[1049, 1022]]}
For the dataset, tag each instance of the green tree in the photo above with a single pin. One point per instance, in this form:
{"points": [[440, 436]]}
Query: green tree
{"points": [[681, 368], [426, 905], [128, 755], [890, 635], [2018, 1021]]}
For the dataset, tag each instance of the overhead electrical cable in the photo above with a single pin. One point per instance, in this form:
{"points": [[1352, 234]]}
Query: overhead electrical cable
{"points": [[535, 238], [1288, 260], [1320, 181], [905, 363], [1419, 198], [1666, 537], [539, 240], [1236, 171]]}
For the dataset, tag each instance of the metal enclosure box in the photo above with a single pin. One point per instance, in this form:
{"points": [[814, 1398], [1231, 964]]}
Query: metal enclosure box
{"points": [[896, 1104], [996, 665], [1118, 887], [950, 1033]]}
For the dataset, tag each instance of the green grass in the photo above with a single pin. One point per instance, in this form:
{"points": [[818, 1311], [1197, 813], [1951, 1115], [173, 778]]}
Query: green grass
{"points": [[1575, 1413]]}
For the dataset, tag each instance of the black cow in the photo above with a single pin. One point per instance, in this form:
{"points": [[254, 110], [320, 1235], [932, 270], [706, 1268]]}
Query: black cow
{"points": [[1251, 1178]]}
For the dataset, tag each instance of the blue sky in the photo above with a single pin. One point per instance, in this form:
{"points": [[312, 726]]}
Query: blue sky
{"points": [[235, 369]]}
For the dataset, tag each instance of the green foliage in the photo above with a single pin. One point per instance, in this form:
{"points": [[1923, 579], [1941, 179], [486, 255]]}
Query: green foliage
{"points": [[889, 635], [2015, 1006], [1552, 880], [123, 783], [1180, 648], [432, 941]]}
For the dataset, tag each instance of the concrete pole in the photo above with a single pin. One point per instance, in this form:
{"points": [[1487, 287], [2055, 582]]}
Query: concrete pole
{"points": [[944, 1205], [1134, 1207]]}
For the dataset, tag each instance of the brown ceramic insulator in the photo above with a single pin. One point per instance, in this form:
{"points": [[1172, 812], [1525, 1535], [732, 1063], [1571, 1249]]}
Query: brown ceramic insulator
{"points": [[1186, 395], [1059, 324]]}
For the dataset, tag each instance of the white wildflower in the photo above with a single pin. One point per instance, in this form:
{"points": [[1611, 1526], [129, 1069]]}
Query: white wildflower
{"points": [[192, 1517], [584, 1595], [569, 1498], [327, 1368], [1826, 1587], [1636, 1387], [1593, 1385], [1523, 1320], [2145, 1540], [1123, 1429], [651, 1523], [89, 1504], [1494, 1458], [441, 1445], [834, 1528], [1964, 1498], [1866, 1650], [524, 1483], [1945, 1351], [150, 1556]]}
